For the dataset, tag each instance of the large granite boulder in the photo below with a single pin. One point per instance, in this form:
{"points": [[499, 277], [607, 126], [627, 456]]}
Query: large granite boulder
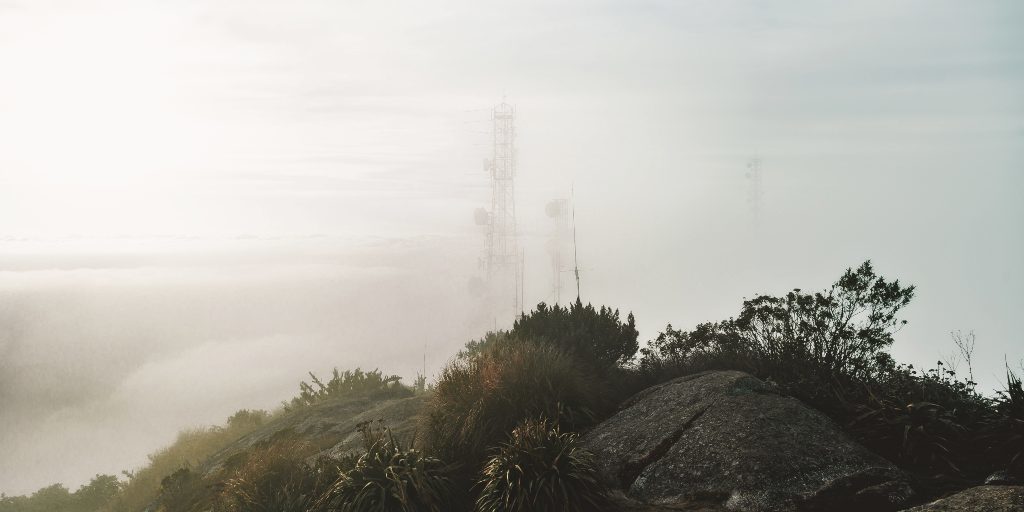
{"points": [[984, 498], [728, 438]]}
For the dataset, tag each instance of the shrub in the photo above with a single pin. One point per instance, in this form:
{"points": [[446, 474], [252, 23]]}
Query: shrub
{"points": [[190, 449], [245, 419], [829, 350], [183, 491], [474, 348], [801, 336], [541, 468], [596, 336], [389, 477], [1002, 436], [56, 498], [478, 401], [920, 435], [349, 384], [274, 477], [811, 344]]}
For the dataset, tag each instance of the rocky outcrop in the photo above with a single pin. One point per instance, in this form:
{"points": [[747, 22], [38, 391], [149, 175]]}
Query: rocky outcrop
{"points": [[728, 438], [331, 426], [985, 498]]}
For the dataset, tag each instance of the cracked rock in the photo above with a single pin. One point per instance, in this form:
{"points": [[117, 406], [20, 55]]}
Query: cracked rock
{"points": [[984, 498], [728, 438]]}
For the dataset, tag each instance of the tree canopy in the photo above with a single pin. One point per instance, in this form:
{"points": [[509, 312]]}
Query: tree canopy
{"points": [[597, 336]]}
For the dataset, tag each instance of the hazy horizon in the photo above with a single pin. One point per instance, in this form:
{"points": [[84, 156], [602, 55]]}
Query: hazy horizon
{"points": [[192, 190]]}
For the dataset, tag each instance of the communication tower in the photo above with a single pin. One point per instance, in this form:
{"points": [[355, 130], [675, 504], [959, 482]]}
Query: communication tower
{"points": [[502, 261], [558, 211]]}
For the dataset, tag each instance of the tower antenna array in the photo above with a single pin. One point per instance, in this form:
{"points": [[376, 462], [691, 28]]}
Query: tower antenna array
{"points": [[575, 255], [558, 211], [502, 258]]}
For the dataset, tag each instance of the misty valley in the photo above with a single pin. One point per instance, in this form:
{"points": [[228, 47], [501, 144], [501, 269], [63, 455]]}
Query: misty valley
{"points": [[533, 256]]}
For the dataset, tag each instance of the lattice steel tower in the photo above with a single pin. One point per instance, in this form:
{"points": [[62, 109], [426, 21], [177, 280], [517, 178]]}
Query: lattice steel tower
{"points": [[502, 259], [558, 211]]}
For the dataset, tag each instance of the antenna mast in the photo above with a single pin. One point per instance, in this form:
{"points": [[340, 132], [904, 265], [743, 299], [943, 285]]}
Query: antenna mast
{"points": [[503, 259], [575, 256], [558, 211]]}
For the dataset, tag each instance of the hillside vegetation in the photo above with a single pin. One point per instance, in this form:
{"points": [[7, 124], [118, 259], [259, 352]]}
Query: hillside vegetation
{"points": [[498, 430]]}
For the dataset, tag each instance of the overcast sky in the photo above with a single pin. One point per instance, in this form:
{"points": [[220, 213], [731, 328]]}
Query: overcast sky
{"points": [[202, 200]]}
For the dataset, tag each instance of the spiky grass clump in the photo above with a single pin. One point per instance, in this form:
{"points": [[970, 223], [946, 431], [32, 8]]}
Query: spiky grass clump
{"points": [[275, 477], [479, 400], [389, 478], [182, 491], [541, 468], [1003, 435]]}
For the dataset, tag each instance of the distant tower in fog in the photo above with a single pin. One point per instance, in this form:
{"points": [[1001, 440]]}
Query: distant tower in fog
{"points": [[558, 211], [755, 193], [502, 260]]}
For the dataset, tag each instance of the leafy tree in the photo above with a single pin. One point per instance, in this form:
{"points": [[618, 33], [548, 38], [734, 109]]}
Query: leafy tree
{"points": [[247, 419], [98, 492], [841, 331], [596, 336], [474, 348], [13, 503], [54, 498]]}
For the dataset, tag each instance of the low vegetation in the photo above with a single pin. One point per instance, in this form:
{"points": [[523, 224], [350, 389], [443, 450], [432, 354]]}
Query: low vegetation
{"points": [[189, 450], [273, 476], [829, 349], [502, 422], [389, 477], [541, 468], [350, 384], [479, 400], [57, 498]]}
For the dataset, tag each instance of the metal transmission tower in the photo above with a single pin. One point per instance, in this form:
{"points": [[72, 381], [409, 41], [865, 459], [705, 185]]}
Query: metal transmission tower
{"points": [[755, 192], [502, 259], [558, 211]]}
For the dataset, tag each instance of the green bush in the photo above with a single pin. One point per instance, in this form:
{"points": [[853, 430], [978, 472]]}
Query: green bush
{"points": [[597, 337], [389, 477], [541, 468], [829, 349], [349, 384], [478, 401], [274, 476], [56, 498], [1002, 435], [812, 344], [190, 449], [183, 491]]}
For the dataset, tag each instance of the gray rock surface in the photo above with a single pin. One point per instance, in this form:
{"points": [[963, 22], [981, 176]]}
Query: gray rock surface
{"points": [[984, 498], [1004, 477], [331, 426], [728, 438]]}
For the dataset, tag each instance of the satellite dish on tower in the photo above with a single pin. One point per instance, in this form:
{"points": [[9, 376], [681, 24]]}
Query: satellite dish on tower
{"points": [[481, 217], [555, 208]]}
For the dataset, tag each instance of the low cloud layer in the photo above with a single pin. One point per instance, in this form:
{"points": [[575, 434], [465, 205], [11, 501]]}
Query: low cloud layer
{"points": [[202, 201]]}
